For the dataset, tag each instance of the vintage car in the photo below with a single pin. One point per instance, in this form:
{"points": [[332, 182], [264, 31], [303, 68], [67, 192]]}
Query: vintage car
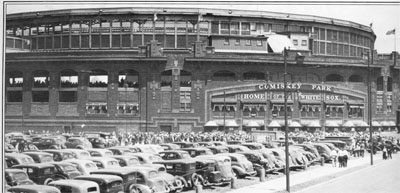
{"points": [[276, 164], [237, 148], [142, 179], [308, 157], [40, 157], [79, 153], [218, 149], [234, 142], [60, 154], [16, 177], [40, 173], [51, 142], [223, 172], [174, 154], [17, 158], [186, 144], [170, 146], [107, 183], [65, 170], [280, 155], [298, 159], [9, 148], [323, 150], [100, 152], [218, 143], [78, 143], [105, 162], [127, 161], [34, 189], [240, 165], [83, 166], [101, 139], [76, 186], [258, 161], [196, 151], [310, 148], [147, 148], [254, 146], [147, 159], [205, 143], [122, 150]]}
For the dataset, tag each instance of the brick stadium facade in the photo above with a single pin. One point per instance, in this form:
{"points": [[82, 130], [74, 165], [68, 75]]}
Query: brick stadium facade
{"points": [[139, 69]]}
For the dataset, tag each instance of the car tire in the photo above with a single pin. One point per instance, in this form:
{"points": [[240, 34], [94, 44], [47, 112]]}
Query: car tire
{"points": [[133, 189], [197, 180], [79, 147], [48, 181]]}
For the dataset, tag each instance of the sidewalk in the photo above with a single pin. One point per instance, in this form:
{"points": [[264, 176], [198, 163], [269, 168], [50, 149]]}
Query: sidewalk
{"points": [[301, 180]]}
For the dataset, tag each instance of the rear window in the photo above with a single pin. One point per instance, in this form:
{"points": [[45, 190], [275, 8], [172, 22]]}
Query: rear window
{"points": [[20, 176], [92, 189], [48, 171], [47, 158], [68, 168], [115, 184]]}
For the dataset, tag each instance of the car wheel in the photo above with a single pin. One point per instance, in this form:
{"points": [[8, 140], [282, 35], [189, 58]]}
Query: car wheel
{"points": [[133, 189], [48, 181], [197, 179], [236, 174]]}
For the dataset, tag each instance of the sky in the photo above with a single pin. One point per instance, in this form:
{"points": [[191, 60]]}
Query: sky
{"points": [[384, 15]]}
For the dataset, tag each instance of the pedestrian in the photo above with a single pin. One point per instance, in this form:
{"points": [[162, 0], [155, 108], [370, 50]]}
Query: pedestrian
{"points": [[341, 155], [389, 152], [384, 153], [362, 149], [334, 157]]}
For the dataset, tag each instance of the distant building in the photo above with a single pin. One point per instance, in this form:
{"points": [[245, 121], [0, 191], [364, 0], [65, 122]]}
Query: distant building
{"points": [[152, 69]]}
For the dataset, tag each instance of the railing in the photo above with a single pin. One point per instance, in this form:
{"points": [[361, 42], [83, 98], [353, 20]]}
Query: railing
{"points": [[17, 43]]}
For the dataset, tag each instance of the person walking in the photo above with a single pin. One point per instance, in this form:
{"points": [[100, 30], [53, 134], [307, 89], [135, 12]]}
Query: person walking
{"points": [[384, 153], [334, 157], [389, 151], [341, 154]]}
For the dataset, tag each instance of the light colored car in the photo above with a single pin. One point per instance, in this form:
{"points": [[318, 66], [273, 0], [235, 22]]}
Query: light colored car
{"points": [[149, 148], [79, 143], [79, 153], [104, 162], [83, 166], [76, 186], [100, 152], [34, 189]]}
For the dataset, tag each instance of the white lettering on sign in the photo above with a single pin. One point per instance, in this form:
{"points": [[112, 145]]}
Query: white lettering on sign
{"points": [[310, 97], [321, 87], [272, 86], [332, 98], [254, 96]]}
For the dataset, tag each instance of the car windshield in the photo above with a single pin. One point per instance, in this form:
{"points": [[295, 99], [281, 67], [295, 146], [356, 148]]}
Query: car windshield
{"points": [[113, 164], [133, 162], [67, 156], [26, 160], [46, 158], [90, 165], [155, 158], [68, 168], [74, 140], [20, 176]]}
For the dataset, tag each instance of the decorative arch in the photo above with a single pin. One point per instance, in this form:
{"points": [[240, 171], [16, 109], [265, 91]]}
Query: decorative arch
{"points": [[252, 75], [224, 75], [356, 78], [41, 79], [98, 78], [15, 79], [334, 78], [68, 78]]}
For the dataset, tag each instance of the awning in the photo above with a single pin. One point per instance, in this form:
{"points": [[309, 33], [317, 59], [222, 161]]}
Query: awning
{"points": [[376, 124], [274, 124], [348, 124], [295, 124], [278, 42], [360, 123], [222, 100], [388, 123], [231, 123], [250, 123], [211, 124], [311, 123], [392, 123], [332, 123]]}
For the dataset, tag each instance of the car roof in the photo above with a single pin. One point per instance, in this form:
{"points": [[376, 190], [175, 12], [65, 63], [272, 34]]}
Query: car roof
{"points": [[98, 149], [16, 155], [104, 177], [187, 160], [123, 170], [74, 182], [195, 148], [36, 153], [62, 163], [174, 150], [101, 158], [78, 161], [13, 170], [35, 165]]}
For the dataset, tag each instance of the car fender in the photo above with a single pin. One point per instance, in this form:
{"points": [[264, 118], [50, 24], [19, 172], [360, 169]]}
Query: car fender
{"points": [[141, 187], [239, 169]]}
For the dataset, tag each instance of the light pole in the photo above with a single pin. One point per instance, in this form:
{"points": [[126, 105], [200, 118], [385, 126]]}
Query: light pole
{"points": [[286, 123], [369, 105]]}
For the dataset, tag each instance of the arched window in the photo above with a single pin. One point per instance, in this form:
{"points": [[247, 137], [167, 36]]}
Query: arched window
{"points": [[356, 78], [334, 78], [224, 75], [253, 76], [41, 79], [186, 79], [98, 78], [390, 84], [128, 79], [379, 84], [278, 77], [15, 79], [68, 79], [312, 78], [166, 78]]}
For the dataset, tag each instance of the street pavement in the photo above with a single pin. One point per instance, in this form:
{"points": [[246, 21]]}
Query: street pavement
{"points": [[313, 176]]}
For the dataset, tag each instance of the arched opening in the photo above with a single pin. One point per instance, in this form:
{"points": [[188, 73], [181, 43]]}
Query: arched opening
{"points": [[41, 79], [224, 75], [253, 76], [334, 78], [98, 78], [68, 79], [128, 79], [356, 78], [15, 79]]}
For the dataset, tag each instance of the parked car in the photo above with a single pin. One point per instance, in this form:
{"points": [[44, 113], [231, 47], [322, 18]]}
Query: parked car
{"points": [[254, 146], [170, 146], [174, 154], [51, 143], [218, 149], [76, 186], [107, 183], [240, 165], [40, 157], [16, 177], [140, 179], [298, 158], [258, 161], [147, 159], [65, 170], [33, 189], [315, 157], [79, 153], [17, 158], [78, 143], [127, 161], [222, 165], [40, 173], [104, 162], [237, 148], [186, 144], [323, 150], [101, 139], [193, 152], [9, 148], [60, 154], [277, 164], [83, 166], [122, 150], [148, 148], [100, 152]]}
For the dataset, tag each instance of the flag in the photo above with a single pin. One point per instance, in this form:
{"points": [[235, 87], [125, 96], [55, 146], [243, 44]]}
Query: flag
{"points": [[390, 32]]}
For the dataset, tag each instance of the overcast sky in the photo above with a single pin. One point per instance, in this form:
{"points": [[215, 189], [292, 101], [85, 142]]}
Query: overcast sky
{"points": [[384, 16]]}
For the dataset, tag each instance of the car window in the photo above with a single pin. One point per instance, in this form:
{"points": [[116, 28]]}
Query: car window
{"points": [[68, 168], [47, 171], [152, 174], [115, 184], [95, 154], [112, 163], [46, 158], [133, 162], [20, 176], [98, 164], [186, 155], [92, 189], [90, 165]]}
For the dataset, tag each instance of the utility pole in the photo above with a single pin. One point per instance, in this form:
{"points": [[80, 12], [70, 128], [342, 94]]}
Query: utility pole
{"points": [[287, 171]]}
